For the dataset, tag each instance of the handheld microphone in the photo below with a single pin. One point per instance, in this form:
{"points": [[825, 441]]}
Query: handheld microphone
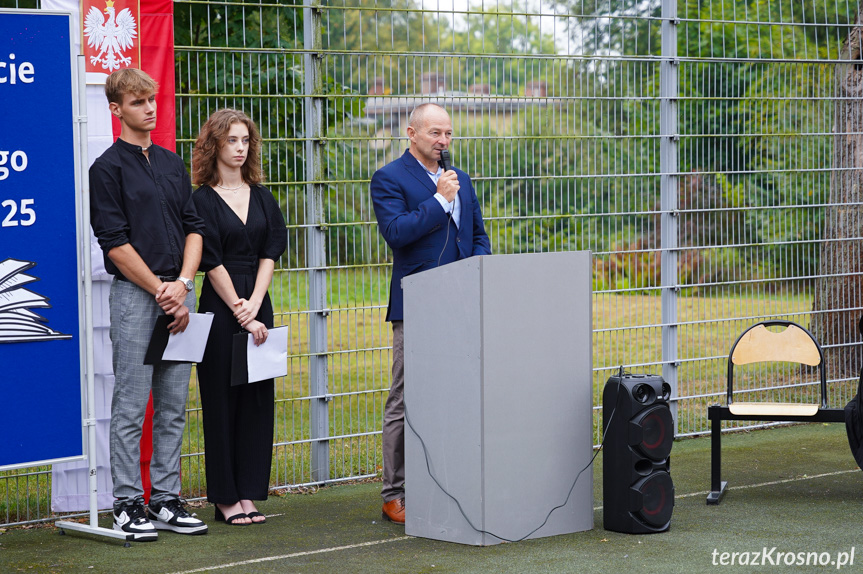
{"points": [[444, 160]]}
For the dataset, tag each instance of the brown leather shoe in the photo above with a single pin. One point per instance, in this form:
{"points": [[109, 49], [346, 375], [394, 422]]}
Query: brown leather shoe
{"points": [[394, 511]]}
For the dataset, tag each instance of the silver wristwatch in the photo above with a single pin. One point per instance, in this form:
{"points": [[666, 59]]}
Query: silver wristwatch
{"points": [[188, 283]]}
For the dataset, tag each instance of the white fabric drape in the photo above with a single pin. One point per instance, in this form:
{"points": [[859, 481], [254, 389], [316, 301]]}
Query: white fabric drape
{"points": [[69, 481]]}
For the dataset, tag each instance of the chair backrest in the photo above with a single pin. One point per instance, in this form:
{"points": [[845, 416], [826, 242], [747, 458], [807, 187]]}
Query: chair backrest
{"points": [[793, 344]]}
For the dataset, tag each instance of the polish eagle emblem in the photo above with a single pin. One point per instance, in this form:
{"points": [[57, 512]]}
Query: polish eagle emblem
{"points": [[111, 38]]}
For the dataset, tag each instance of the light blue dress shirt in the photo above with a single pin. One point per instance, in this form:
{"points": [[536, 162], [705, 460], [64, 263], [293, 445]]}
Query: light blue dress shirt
{"points": [[453, 207]]}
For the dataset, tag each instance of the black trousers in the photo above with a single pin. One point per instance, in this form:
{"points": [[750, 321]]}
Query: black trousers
{"points": [[238, 421], [238, 437]]}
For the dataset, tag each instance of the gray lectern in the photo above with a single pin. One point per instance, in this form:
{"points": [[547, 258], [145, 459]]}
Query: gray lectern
{"points": [[498, 388]]}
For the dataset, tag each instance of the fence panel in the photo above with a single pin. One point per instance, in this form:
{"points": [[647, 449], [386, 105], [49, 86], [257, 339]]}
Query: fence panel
{"points": [[761, 157]]}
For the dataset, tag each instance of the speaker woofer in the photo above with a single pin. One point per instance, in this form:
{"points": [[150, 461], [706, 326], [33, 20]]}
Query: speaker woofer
{"points": [[657, 432], [654, 497]]}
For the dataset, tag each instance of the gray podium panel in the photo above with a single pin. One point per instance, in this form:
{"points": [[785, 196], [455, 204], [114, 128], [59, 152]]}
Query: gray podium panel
{"points": [[498, 394]]}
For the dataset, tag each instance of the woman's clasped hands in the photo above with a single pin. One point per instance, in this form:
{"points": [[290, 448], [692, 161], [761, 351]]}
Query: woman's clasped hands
{"points": [[245, 312]]}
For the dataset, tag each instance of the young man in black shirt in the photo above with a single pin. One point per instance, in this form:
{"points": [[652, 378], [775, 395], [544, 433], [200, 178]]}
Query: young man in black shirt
{"points": [[142, 213]]}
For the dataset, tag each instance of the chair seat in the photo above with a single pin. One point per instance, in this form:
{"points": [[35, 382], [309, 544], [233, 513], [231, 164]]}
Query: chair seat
{"points": [[773, 409]]}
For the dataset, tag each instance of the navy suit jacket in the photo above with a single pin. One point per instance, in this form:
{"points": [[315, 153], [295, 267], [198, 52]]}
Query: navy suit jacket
{"points": [[414, 224]]}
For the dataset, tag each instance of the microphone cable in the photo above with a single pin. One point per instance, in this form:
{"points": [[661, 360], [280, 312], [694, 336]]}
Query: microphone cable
{"points": [[446, 241], [548, 516]]}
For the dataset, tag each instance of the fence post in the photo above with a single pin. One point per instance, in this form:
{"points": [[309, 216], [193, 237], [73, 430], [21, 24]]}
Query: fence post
{"points": [[316, 257], [668, 147]]}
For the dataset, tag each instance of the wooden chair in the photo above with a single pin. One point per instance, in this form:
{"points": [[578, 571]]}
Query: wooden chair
{"points": [[793, 344]]}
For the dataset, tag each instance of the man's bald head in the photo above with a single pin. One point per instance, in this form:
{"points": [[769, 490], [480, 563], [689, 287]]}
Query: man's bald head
{"points": [[420, 115]]}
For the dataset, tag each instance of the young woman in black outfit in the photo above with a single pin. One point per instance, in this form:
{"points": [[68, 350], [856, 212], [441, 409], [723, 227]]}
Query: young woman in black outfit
{"points": [[244, 236]]}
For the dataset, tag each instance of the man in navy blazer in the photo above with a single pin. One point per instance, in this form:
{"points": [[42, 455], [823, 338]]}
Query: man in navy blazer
{"points": [[429, 217]]}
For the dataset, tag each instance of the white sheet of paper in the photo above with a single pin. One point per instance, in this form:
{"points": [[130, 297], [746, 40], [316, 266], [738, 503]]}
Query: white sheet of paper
{"points": [[189, 345], [270, 359]]}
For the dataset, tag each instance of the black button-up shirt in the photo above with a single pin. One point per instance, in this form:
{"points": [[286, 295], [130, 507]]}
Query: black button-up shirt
{"points": [[147, 204]]}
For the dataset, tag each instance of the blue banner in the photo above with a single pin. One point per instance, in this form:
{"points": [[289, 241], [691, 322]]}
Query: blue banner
{"points": [[40, 337]]}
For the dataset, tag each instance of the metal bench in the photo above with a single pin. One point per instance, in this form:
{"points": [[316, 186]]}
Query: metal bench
{"points": [[757, 344]]}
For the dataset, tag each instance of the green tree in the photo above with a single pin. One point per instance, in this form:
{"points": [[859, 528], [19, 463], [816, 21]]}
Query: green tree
{"points": [[388, 40], [383, 40], [738, 118], [504, 34]]}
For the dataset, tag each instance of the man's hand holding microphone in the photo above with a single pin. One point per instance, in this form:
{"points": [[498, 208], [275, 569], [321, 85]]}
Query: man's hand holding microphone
{"points": [[447, 184]]}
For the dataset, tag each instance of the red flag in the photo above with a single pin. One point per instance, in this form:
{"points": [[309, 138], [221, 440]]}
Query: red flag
{"points": [[157, 59]]}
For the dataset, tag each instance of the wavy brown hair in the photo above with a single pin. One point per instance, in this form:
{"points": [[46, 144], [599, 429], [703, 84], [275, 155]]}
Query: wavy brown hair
{"points": [[213, 136]]}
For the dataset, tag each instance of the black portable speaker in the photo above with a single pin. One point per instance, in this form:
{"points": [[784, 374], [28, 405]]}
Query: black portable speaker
{"points": [[637, 491]]}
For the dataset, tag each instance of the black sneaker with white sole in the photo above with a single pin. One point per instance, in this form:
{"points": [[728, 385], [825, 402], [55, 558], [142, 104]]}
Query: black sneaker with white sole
{"points": [[129, 517], [172, 515]]}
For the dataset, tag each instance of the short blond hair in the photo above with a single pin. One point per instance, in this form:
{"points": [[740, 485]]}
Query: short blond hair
{"points": [[129, 81]]}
